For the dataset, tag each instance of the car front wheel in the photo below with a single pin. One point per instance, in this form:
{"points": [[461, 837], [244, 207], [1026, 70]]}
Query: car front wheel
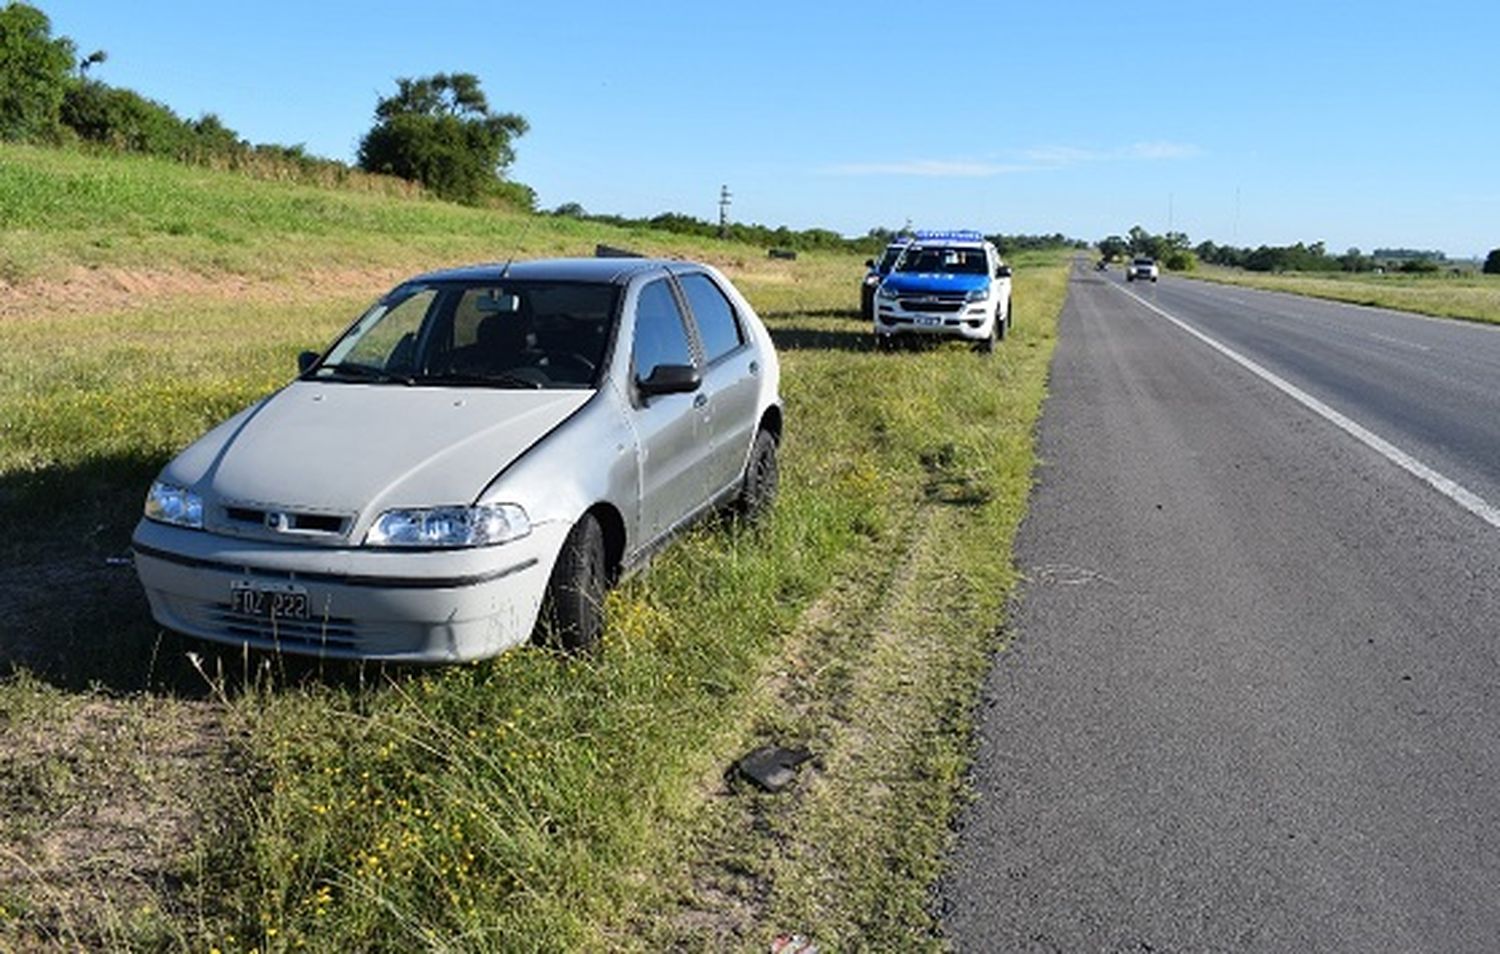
{"points": [[573, 614], [762, 478]]}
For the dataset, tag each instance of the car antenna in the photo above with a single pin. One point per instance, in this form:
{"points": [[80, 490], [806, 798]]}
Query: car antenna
{"points": [[506, 270]]}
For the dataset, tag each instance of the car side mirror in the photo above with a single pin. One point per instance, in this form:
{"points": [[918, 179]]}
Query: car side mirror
{"points": [[1002, 271], [306, 360], [670, 379]]}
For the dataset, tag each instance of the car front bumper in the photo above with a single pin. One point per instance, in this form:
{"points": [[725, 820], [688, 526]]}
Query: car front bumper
{"points": [[973, 321], [400, 606]]}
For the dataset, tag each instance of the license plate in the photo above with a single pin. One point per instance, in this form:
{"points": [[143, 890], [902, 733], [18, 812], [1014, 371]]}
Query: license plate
{"points": [[927, 321], [268, 600]]}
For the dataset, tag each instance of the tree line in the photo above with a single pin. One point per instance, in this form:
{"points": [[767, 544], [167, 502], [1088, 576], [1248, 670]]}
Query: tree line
{"points": [[1175, 251]]}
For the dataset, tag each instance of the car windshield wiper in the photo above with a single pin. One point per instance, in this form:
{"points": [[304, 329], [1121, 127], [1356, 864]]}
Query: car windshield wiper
{"points": [[364, 372], [500, 378]]}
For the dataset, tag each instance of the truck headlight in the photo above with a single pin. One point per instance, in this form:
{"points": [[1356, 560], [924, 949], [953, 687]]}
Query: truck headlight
{"points": [[168, 503], [978, 294], [449, 527], [887, 293]]}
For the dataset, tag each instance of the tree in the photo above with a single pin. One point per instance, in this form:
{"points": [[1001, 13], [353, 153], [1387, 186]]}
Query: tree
{"points": [[438, 130], [1112, 247], [34, 72], [1492, 262]]}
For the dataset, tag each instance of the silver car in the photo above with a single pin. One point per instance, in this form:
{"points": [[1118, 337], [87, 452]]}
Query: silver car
{"points": [[476, 459]]}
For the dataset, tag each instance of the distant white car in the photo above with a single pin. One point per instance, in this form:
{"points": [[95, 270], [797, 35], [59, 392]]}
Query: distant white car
{"points": [[1142, 268]]}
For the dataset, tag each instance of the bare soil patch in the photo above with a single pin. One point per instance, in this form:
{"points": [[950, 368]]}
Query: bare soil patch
{"points": [[103, 805]]}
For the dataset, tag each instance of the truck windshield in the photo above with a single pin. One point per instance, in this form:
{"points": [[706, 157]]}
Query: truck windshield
{"points": [[945, 260]]}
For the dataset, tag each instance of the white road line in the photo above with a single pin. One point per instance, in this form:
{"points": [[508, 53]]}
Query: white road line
{"points": [[1449, 488], [1397, 341]]}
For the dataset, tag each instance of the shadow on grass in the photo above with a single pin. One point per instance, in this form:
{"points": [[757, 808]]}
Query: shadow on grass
{"points": [[819, 339], [73, 614], [851, 313]]}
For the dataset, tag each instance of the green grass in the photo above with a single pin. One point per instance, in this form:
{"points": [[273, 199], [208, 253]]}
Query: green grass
{"points": [[1473, 297], [532, 801]]}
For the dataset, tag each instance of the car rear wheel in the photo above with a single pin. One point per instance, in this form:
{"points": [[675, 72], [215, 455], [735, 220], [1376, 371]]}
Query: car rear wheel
{"points": [[573, 614], [1002, 323], [762, 478]]}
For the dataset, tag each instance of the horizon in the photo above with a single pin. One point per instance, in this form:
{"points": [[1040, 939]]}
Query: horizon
{"points": [[1272, 126]]}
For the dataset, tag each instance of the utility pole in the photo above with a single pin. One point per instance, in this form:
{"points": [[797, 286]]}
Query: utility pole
{"points": [[724, 211]]}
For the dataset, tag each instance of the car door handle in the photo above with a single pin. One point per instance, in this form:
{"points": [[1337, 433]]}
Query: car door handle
{"points": [[700, 401], [755, 367]]}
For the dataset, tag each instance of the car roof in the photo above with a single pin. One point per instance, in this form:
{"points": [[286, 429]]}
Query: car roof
{"points": [[597, 270]]}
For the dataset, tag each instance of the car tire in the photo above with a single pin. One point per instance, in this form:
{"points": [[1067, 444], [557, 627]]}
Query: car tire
{"points": [[886, 343], [573, 611], [762, 479], [1002, 323]]}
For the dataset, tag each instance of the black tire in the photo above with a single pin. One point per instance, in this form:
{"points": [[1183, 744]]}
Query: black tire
{"points": [[573, 611], [1002, 323], [886, 343], [762, 479]]}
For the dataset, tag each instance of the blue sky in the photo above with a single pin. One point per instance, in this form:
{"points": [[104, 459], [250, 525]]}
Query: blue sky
{"points": [[1370, 125]]}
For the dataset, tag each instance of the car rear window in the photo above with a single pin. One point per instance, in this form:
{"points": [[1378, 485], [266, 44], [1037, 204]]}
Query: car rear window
{"points": [[717, 324]]}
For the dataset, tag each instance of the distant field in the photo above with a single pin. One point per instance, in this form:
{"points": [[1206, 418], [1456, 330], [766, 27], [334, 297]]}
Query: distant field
{"points": [[1473, 297], [160, 793]]}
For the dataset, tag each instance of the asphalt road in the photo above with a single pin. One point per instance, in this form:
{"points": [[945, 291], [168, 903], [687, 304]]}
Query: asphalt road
{"points": [[1253, 695]]}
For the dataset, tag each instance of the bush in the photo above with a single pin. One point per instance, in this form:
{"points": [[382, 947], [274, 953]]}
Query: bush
{"points": [[1492, 262], [1179, 260], [125, 120], [34, 73]]}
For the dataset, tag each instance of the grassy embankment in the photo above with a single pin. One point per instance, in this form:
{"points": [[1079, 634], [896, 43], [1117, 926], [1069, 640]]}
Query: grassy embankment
{"points": [[1471, 297], [157, 792]]}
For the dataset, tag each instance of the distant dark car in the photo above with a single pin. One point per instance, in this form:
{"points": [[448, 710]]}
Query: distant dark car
{"points": [[1103, 265], [878, 269]]}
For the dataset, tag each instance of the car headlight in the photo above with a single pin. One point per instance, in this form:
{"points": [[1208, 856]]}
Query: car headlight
{"points": [[979, 294], [168, 503], [447, 527], [887, 292]]}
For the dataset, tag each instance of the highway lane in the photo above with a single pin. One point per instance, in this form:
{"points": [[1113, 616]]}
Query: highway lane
{"points": [[1430, 386], [1253, 694]]}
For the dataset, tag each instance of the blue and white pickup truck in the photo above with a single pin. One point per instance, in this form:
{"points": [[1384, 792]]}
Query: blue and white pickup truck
{"points": [[950, 284]]}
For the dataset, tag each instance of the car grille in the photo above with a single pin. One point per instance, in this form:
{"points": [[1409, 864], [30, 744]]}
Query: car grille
{"points": [[333, 632], [943, 303], [278, 524]]}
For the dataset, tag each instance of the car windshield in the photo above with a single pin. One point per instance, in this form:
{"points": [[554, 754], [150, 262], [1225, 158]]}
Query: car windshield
{"points": [[509, 334], [945, 259], [888, 260]]}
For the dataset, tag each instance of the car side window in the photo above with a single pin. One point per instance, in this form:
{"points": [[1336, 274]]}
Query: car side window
{"points": [[717, 325], [660, 331]]}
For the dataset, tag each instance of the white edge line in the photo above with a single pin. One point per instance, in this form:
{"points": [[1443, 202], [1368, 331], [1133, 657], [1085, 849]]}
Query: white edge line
{"points": [[1449, 488]]}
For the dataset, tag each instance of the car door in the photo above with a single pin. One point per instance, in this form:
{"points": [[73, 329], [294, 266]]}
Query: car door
{"points": [[730, 379], [671, 428]]}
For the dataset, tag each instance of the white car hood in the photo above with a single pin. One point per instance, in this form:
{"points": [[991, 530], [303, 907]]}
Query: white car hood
{"points": [[352, 448]]}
